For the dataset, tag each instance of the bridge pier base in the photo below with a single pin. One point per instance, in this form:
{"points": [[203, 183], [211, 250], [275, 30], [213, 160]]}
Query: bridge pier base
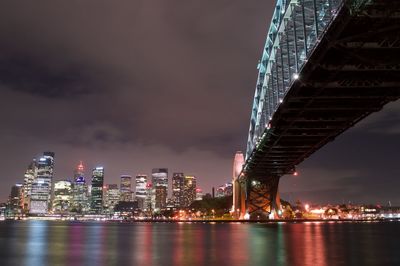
{"points": [[259, 198]]}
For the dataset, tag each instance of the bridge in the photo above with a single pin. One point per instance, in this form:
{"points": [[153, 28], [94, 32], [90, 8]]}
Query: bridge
{"points": [[326, 65]]}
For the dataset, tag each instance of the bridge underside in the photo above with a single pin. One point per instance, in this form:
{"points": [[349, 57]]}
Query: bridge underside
{"points": [[353, 71]]}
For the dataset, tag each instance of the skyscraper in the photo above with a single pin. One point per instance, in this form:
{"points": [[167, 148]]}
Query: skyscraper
{"points": [[42, 185], [111, 197], [160, 197], [238, 163], [141, 191], [62, 196], [16, 201], [178, 185], [96, 205], [80, 202], [29, 178], [160, 179], [189, 193], [126, 188]]}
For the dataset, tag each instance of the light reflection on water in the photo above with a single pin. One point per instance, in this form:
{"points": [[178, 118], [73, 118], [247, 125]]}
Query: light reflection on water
{"points": [[37, 243]]}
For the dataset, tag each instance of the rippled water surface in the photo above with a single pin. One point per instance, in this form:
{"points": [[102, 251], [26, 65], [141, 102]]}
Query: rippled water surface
{"points": [[37, 243]]}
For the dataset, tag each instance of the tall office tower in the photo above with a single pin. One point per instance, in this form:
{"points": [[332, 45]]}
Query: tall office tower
{"points": [[141, 191], [16, 201], [80, 201], [178, 184], [42, 185], [160, 198], [29, 178], [96, 205], [189, 192], [111, 197], [150, 198], [126, 188], [62, 196], [159, 177], [238, 163]]}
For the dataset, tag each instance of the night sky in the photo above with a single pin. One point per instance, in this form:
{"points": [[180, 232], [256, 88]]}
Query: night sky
{"points": [[136, 85]]}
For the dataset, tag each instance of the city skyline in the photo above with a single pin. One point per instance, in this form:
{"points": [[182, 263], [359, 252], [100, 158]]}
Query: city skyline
{"points": [[176, 93]]}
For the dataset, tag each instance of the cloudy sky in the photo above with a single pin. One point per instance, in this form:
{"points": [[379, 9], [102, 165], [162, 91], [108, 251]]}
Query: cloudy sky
{"points": [[134, 85]]}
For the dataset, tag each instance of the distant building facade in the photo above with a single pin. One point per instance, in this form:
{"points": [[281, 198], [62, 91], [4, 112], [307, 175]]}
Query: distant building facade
{"points": [[80, 201], [160, 179], [42, 186], [178, 187], [29, 178], [16, 200], [126, 188], [96, 206], [141, 191], [63, 196], [112, 196], [189, 193]]}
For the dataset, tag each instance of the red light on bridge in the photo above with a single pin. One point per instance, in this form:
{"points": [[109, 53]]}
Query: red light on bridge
{"points": [[295, 173]]}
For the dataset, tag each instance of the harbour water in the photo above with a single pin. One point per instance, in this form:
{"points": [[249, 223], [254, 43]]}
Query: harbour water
{"points": [[38, 243]]}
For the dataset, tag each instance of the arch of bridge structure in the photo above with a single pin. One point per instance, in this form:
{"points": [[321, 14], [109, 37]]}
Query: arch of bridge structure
{"points": [[320, 73]]}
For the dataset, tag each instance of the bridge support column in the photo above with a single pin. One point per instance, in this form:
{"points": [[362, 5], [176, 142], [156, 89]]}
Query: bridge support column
{"points": [[259, 198]]}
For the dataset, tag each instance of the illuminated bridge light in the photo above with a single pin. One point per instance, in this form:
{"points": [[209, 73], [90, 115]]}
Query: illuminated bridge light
{"points": [[295, 76]]}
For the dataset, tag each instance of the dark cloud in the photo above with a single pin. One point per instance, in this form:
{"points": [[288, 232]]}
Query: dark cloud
{"points": [[34, 76]]}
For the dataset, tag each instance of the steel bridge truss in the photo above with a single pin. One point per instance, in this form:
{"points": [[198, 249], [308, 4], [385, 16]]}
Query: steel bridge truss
{"points": [[326, 65]]}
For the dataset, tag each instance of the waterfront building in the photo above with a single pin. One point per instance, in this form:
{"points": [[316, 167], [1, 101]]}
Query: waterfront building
{"points": [[126, 188], [80, 201], [224, 190], [160, 178], [141, 191], [96, 204], [16, 200], [199, 194], [189, 193], [178, 186], [111, 197], [42, 186], [62, 196], [150, 198], [29, 178], [160, 198], [228, 189]]}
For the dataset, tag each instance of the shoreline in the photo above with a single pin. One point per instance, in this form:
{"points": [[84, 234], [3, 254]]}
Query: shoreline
{"points": [[211, 221]]}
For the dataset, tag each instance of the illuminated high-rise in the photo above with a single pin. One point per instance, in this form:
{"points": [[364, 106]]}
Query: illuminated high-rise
{"points": [[141, 191], [80, 202], [96, 204], [16, 200], [126, 188], [111, 197], [160, 179], [62, 196], [160, 197], [178, 185], [42, 185], [29, 178], [189, 192]]}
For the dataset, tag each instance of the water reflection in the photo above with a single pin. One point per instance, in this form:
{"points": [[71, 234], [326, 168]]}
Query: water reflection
{"points": [[37, 243]]}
